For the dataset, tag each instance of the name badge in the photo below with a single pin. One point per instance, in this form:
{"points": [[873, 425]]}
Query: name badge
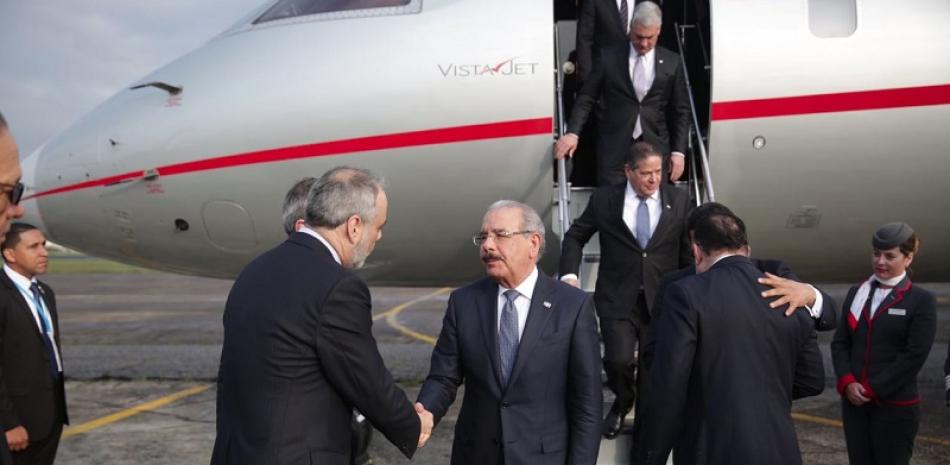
{"points": [[897, 311]]}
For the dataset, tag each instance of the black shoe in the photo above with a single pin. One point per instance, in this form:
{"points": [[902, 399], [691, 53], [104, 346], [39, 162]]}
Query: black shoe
{"points": [[613, 423]]}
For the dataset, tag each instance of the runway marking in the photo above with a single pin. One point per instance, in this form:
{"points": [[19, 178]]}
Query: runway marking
{"points": [[391, 314], [132, 411], [838, 424]]}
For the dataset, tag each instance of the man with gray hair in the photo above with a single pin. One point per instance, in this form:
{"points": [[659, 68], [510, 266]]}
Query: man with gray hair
{"points": [[643, 88], [295, 205], [298, 352], [526, 347]]}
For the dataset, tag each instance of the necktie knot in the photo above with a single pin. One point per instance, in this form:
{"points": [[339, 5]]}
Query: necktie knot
{"points": [[511, 295], [35, 287]]}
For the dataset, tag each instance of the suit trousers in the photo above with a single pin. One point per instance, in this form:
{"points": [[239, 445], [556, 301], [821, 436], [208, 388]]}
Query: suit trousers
{"points": [[643, 395], [621, 337], [43, 452], [880, 434]]}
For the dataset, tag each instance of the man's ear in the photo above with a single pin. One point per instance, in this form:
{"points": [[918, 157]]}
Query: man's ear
{"points": [[697, 253], [8, 256], [354, 228]]}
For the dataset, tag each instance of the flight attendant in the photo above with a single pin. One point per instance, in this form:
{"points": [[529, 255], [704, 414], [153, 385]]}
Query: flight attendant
{"points": [[888, 326]]}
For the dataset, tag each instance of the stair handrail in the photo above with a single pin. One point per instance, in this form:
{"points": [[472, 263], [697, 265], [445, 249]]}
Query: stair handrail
{"points": [[563, 190], [703, 157]]}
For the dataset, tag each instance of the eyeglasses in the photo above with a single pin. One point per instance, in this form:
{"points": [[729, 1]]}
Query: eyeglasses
{"points": [[15, 191], [498, 236]]}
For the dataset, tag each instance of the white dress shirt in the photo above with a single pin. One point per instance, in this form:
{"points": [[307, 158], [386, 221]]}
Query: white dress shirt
{"points": [[881, 293], [23, 284], [630, 204], [320, 238], [522, 302], [649, 65]]}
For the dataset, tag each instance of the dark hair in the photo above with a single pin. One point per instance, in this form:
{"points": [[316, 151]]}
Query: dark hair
{"points": [[720, 231], [911, 245], [705, 209], [13, 235], [640, 151], [295, 203], [3, 123]]}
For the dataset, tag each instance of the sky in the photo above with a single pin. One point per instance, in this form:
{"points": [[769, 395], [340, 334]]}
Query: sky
{"points": [[59, 59]]}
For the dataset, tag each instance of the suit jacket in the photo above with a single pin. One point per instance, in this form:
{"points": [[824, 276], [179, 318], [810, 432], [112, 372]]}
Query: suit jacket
{"points": [[599, 27], [298, 355], [885, 353], [727, 367], [664, 112], [29, 396], [625, 267], [550, 411]]}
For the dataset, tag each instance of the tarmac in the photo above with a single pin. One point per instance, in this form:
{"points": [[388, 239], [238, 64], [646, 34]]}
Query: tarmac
{"points": [[141, 354]]}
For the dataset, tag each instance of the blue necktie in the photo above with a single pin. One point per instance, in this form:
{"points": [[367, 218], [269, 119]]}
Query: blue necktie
{"points": [[508, 335], [45, 324], [643, 223]]}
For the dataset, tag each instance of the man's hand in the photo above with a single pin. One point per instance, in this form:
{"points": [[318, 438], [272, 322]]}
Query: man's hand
{"points": [[793, 293], [565, 146], [18, 439], [856, 394], [677, 166], [426, 422]]}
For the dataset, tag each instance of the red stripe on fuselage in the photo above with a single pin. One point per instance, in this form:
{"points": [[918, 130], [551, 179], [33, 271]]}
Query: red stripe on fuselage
{"points": [[518, 128], [830, 103]]}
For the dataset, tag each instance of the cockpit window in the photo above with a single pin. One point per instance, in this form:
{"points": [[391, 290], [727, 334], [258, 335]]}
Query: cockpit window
{"points": [[284, 9]]}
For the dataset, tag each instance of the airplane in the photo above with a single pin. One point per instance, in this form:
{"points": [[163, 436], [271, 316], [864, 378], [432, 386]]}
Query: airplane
{"points": [[823, 121]]}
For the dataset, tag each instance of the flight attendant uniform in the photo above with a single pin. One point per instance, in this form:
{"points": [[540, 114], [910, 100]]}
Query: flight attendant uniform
{"points": [[882, 341]]}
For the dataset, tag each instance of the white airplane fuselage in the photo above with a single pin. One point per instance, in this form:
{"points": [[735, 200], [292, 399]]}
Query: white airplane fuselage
{"points": [[452, 101]]}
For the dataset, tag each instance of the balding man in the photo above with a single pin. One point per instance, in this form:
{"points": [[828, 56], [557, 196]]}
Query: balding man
{"points": [[299, 352], [526, 347], [726, 366]]}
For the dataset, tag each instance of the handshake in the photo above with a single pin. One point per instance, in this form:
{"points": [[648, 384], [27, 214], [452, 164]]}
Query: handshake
{"points": [[426, 423]]}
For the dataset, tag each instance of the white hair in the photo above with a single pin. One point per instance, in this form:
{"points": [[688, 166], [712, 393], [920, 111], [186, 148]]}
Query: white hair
{"points": [[647, 14], [530, 220]]}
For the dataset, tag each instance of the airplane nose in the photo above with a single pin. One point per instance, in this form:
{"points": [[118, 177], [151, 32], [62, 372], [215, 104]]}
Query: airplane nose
{"points": [[29, 203]]}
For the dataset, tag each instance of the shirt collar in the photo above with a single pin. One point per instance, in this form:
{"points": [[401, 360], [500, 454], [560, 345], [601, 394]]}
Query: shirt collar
{"points": [[630, 193], [526, 288], [893, 281], [649, 55], [21, 281], [320, 238], [725, 255]]}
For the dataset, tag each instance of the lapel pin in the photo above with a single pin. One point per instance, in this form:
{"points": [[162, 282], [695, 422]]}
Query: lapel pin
{"points": [[661, 61], [547, 304], [668, 207]]}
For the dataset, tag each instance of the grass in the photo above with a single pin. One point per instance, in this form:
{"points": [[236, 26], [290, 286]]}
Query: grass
{"points": [[75, 264]]}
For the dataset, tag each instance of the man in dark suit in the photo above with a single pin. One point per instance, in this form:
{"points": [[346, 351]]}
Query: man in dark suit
{"points": [[642, 236], [526, 348], [11, 189], [643, 88], [727, 366], [601, 24], [32, 393], [790, 295], [294, 218], [298, 350]]}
